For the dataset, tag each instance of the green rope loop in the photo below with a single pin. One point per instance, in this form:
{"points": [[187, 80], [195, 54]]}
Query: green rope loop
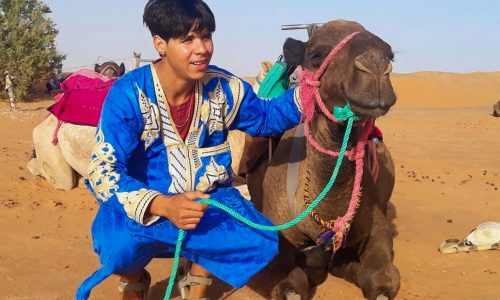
{"points": [[339, 113], [344, 113]]}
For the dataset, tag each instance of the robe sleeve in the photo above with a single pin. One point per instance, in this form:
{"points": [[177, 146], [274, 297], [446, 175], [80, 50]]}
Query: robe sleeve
{"points": [[267, 117], [117, 137]]}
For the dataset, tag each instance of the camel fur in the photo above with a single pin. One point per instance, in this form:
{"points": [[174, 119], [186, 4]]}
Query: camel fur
{"points": [[496, 109], [359, 74]]}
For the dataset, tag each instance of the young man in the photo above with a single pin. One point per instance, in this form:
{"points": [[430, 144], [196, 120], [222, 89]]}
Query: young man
{"points": [[161, 144], [9, 88]]}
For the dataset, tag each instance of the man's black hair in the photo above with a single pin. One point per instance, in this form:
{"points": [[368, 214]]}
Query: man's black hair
{"points": [[176, 18]]}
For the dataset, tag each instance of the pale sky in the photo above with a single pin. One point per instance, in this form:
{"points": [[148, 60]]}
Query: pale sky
{"points": [[437, 35]]}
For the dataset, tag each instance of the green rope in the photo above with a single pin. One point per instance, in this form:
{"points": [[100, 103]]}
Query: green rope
{"points": [[340, 114]]}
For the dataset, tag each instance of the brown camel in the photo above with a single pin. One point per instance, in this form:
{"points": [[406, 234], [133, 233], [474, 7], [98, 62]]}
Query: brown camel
{"points": [[359, 75], [496, 109], [110, 69]]}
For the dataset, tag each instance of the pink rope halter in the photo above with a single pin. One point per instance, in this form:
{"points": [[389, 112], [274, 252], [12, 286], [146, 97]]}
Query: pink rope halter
{"points": [[310, 97]]}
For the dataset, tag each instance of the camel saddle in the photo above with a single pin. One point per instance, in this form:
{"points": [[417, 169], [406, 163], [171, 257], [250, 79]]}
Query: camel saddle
{"points": [[81, 100]]}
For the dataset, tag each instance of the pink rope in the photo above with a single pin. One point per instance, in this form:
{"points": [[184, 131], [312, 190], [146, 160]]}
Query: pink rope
{"points": [[56, 130], [341, 223], [310, 97], [310, 83], [350, 154]]}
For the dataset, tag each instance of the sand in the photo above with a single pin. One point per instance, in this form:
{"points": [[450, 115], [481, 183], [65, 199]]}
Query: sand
{"points": [[446, 147]]}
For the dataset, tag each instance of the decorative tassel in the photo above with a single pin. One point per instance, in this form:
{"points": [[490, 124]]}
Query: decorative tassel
{"points": [[338, 241], [325, 240], [332, 240]]}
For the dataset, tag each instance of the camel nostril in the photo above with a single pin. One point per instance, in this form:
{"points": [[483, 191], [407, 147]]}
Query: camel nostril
{"points": [[360, 66]]}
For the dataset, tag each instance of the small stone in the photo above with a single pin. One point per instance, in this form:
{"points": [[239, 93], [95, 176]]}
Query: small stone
{"points": [[449, 221]]}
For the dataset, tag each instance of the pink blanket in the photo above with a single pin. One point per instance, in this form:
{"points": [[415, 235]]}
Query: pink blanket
{"points": [[82, 98]]}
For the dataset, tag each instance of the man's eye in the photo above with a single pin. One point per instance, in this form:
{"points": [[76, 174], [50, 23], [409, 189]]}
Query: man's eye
{"points": [[187, 39]]}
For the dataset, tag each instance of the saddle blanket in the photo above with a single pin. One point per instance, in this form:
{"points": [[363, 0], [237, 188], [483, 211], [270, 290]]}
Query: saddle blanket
{"points": [[83, 94]]}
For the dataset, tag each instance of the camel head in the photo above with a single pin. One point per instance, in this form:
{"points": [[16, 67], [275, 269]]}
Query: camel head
{"points": [[496, 109], [110, 69], [265, 66], [359, 72]]}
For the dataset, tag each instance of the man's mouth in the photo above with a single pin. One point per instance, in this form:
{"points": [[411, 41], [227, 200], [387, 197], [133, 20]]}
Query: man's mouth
{"points": [[200, 63]]}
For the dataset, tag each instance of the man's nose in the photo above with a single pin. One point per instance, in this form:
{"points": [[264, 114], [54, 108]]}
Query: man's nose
{"points": [[200, 46]]}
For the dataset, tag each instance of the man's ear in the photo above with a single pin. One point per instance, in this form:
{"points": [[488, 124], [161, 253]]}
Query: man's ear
{"points": [[160, 45], [293, 51], [97, 68]]}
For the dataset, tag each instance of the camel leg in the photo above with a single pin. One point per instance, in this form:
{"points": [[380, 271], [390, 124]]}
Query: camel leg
{"points": [[314, 261], [310, 271], [377, 276], [294, 287], [49, 162], [345, 265], [386, 178]]}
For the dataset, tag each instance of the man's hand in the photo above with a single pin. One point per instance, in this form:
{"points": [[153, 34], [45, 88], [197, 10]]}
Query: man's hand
{"points": [[180, 209]]}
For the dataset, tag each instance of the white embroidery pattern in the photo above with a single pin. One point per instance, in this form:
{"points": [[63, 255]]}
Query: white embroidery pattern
{"points": [[237, 91], [135, 203], [217, 109], [214, 173], [296, 98], [177, 162], [102, 177], [150, 119]]}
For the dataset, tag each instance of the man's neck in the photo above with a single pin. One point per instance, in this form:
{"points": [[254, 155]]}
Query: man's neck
{"points": [[176, 89]]}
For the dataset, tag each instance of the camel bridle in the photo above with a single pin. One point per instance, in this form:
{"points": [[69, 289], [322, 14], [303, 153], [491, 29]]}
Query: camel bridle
{"points": [[335, 231]]}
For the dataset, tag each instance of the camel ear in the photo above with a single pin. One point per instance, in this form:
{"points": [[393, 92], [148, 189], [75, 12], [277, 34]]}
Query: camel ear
{"points": [[293, 51], [122, 69], [97, 68], [265, 66]]}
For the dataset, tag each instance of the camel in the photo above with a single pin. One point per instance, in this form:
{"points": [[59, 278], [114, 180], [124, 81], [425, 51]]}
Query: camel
{"points": [[360, 251], [110, 69], [496, 109], [63, 163]]}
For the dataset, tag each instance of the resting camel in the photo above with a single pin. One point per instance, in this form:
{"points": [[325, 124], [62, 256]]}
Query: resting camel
{"points": [[496, 109], [359, 250], [62, 163]]}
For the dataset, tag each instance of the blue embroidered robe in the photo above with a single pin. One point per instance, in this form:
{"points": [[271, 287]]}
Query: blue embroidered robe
{"points": [[139, 154]]}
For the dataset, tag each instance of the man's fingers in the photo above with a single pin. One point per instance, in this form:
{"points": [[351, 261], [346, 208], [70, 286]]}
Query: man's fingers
{"points": [[188, 227], [190, 223], [195, 206], [196, 195], [188, 214]]}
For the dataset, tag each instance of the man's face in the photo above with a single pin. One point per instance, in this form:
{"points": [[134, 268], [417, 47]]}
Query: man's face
{"points": [[190, 56]]}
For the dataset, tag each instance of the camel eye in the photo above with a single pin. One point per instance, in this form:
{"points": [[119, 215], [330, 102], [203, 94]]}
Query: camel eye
{"points": [[315, 55], [316, 58]]}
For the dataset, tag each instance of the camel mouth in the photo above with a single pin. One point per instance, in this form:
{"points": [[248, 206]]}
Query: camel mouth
{"points": [[368, 109]]}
